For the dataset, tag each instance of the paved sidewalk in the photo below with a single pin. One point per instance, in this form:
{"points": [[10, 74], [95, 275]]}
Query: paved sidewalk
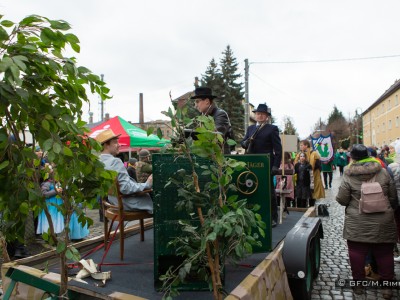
{"points": [[334, 255]]}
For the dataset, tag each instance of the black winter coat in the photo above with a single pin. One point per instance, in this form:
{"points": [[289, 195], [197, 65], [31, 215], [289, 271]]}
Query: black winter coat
{"points": [[222, 124], [267, 140]]}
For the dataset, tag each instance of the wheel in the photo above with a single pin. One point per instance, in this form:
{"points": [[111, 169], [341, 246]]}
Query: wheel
{"points": [[301, 288], [315, 255]]}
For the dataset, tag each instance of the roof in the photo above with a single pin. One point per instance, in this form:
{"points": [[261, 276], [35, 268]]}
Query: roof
{"points": [[185, 96], [395, 86]]}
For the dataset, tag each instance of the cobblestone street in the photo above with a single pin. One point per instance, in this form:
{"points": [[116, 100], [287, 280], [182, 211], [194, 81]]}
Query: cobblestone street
{"points": [[334, 256]]}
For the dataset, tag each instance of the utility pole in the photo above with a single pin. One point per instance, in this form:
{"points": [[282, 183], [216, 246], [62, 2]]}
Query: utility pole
{"points": [[357, 133], [246, 94]]}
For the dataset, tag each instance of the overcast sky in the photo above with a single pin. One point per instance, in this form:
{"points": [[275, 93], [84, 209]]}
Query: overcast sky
{"points": [[154, 47]]}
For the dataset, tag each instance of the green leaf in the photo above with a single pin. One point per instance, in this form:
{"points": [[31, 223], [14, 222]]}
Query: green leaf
{"points": [[57, 148], [212, 236], [60, 24], [231, 142], [3, 34], [47, 36], [159, 133], [60, 247], [75, 47], [83, 70], [261, 231], [30, 19], [14, 71], [24, 208], [7, 23], [45, 125], [48, 144], [19, 61], [68, 254], [4, 164], [72, 38], [150, 130], [67, 152]]}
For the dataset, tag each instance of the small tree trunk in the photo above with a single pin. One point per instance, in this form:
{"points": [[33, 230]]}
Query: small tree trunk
{"points": [[211, 263], [63, 260], [63, 275]]}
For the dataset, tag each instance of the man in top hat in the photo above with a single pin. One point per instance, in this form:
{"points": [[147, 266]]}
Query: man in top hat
{"points": [[205, 104], [264, 138], [128, 186]]}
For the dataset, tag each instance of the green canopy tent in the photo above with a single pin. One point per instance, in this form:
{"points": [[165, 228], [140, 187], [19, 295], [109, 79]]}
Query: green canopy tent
{"points": [[132, 138]]}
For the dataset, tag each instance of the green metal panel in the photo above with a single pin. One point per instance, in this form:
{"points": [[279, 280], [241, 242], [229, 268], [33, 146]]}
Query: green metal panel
{"points": [[253, 184]]}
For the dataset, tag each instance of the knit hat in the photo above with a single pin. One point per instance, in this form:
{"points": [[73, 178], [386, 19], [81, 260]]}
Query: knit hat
{"points": [[359, 152], [144, 153]]}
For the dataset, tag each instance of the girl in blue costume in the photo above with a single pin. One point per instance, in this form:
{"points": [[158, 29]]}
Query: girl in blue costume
{"points": [[50, 191], [76, 230]]}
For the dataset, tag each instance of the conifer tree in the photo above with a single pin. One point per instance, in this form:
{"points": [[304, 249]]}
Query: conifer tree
{"points": [[231, 96], [289, 126], [224, 83], [213, 78]]}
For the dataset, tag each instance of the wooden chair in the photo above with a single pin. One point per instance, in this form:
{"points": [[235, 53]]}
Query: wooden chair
{"points": [[117, 213]]}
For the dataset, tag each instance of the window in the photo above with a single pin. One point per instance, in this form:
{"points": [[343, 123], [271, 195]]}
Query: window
{"points": [[390, 124], [383, 127], [377, 129], [389, 104], [396, 101], [397, 121]]}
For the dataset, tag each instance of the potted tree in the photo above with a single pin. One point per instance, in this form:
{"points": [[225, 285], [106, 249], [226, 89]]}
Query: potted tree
{"points": [[229, 228], [42, 91]]}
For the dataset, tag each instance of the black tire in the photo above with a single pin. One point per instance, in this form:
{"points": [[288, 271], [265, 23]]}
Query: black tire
{"points": [[301, 288]]}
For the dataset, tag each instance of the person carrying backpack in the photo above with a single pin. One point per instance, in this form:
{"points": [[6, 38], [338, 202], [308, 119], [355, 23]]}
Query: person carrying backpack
{"points": [[366, 232]]}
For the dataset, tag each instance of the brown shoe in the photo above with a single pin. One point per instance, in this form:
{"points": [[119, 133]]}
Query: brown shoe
{"points": [[387, 294]]}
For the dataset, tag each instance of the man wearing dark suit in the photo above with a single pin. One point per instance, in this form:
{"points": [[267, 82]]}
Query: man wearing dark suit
{"points": [[264, 138], [204, 101]]}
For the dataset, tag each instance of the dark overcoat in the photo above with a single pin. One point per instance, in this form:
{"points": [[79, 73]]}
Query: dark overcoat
{"points": [[267, 140], [222, 124]]}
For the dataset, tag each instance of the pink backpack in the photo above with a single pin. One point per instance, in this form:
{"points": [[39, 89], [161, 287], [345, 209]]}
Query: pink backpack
{"points": [[373, 200]]}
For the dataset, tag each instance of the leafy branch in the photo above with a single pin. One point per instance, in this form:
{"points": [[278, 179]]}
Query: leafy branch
{"points": [[42, 91], [221, 227]]}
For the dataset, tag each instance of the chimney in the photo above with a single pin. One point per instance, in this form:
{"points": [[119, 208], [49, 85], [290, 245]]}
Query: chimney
{"points": [[90, 117], [107, 117], [141, 114], [196, 82]]}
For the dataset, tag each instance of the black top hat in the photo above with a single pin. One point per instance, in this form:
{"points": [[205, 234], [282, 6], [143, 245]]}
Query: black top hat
{"points": [[359, 152], [263, 108], [203, 93]]}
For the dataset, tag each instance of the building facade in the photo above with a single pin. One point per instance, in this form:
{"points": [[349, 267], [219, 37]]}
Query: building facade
{"points": [[164, 125], [381, 121]]}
